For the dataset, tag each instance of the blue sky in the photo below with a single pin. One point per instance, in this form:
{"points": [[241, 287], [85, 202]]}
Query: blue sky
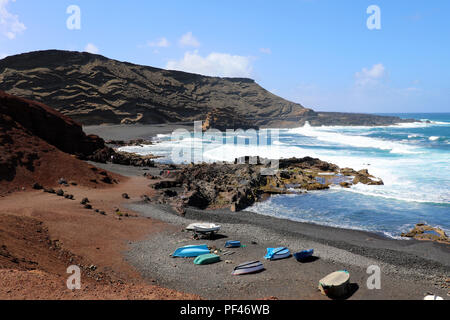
{"points": [[316, 52]]}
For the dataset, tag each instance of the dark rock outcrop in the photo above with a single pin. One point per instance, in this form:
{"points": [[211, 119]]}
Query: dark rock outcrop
{"points": [[427, 233], [239, 185], [362, 176]]}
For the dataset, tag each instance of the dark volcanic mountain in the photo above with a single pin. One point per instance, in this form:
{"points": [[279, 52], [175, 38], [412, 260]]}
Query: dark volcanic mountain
{"points": [[93, 89]]}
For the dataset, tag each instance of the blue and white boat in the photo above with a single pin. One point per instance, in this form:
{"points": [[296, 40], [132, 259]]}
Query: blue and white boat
{"points": [[233, 244], [277, 253], [248, 268]]}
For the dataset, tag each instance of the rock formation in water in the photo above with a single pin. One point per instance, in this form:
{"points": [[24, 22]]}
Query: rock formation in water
{"points": [[425, 232], [226, 118]]}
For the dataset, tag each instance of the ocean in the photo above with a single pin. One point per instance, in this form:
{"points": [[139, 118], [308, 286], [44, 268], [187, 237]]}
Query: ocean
{"points": [[413, 160]]}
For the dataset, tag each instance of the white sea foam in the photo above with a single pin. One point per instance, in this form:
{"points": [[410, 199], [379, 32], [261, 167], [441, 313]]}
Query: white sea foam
{"points": [[388, 194], [412, 174], [267, 208], [230, 152], [423, 124], [400, 174], [326, 134]]}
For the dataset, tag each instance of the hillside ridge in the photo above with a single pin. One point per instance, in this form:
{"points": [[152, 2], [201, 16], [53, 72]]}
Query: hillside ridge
{"points": [[93, 89]]}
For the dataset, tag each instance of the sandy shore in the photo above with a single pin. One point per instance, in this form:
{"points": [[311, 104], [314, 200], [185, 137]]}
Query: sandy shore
{"points": [[42, 234], [132, 259]]}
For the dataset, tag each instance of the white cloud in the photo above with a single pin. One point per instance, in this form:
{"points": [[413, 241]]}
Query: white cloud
{"points": [[3, 55], [370, 76], [10, 26], [91, 48], [215, 64], [265, 50], [188, 40], [372, 93], [160, 43]]}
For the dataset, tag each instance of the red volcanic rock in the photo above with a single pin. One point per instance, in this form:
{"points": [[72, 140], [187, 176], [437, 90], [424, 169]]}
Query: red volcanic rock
{"points": [[40, 146], [49, 125]]}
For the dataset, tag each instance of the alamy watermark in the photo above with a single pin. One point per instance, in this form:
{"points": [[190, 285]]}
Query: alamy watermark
{"points": [[374, 280], [374, 20], [74, 280], [73, 22]]}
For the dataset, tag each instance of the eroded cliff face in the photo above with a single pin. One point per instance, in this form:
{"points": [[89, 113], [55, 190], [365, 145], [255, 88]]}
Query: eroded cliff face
{"points": [[40, 145], [49, 125], [93, 90], [226, 118]]}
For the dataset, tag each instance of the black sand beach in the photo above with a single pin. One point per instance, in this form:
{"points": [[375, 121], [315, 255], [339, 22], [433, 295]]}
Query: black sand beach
{"points": [[409, 269], [126, 132]]}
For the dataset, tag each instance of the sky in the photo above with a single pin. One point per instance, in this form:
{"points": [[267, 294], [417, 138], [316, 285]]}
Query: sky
{"points": [[328, 55]]}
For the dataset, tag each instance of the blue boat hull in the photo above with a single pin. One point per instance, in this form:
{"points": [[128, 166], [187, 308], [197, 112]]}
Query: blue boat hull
{"points": [[233, 244], [304, 255], [191, 251], [277, 253]]}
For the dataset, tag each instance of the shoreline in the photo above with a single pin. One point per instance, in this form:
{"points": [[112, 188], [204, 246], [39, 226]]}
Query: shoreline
{"points": [[410, 268], [128, 132], [137, 250], [149, 131], [358, 241]]}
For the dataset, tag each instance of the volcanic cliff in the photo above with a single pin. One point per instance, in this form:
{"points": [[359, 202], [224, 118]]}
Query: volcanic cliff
{"points": [[40, 145], [93, 89]]}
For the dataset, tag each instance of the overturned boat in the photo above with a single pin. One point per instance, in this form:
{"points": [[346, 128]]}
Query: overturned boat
{"points": [[277, 253], [203, 227], [191, 251], [248, 268], [304, 255], [233, 244], [207, 259]]}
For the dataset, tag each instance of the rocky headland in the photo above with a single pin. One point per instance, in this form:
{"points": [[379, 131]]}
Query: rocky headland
{"points": [[239, 185], [93, 89]]}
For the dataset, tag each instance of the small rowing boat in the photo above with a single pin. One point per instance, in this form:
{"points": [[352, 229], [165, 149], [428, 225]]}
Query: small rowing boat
{"points": [[202, 227], [233, 244], [304, 255], [248, 268], [207, 259], [277, 253], [191, 251]]}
